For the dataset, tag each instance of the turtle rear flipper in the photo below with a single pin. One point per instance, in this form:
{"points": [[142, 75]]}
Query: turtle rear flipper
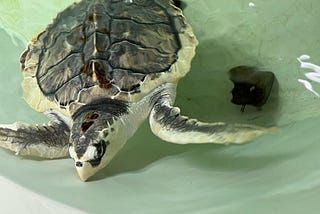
{"points": [[46, 141], [167, 123]]}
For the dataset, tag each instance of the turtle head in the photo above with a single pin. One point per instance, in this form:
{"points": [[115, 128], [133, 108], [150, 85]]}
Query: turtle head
{"points": [[96, 137]]}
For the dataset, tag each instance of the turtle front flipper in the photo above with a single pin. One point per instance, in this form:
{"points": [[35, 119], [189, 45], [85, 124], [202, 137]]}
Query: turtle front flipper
{"points": [[46, 141], [167, 123]]}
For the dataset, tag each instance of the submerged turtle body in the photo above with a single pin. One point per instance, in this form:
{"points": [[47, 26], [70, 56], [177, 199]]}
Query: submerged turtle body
{"points": [[107, 48], [98, 71]]}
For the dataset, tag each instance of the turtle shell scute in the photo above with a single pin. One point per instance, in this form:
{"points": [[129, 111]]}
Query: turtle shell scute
{"points": [[101, 48]]}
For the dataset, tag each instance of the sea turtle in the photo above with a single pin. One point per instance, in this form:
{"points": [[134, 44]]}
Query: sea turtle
{"points": [[98, 71]]}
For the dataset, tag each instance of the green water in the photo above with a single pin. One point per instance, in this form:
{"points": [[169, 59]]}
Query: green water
{"points": [[274, 174]]}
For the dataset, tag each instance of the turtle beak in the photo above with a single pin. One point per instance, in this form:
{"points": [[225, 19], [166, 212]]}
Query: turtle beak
{"points": [[85, 170]]}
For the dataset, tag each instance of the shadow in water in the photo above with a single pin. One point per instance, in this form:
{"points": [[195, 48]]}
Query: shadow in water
{"points": [[140, 152], [205, 93]]}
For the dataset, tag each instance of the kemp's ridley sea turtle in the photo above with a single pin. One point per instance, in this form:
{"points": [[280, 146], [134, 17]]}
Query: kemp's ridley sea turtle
{"points": [[98, 71]]}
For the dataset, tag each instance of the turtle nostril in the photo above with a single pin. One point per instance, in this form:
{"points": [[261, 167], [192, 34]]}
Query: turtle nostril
{"points": [[79, 164]]}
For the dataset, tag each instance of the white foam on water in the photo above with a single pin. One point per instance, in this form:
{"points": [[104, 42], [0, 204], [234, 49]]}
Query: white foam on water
{"points": [[313, 76], [308, 65], [311, 66], [251, 4], [304, 57], [308, 86]]}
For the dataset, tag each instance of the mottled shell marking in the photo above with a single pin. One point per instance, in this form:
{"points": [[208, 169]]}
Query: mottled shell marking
{"points": [[106, 48]]}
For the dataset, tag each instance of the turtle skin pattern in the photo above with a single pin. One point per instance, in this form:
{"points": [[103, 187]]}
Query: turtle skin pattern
{"points": [[111, 45]]}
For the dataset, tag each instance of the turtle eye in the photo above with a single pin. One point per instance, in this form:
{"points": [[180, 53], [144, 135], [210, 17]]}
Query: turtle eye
{"points": [[100, 148]]}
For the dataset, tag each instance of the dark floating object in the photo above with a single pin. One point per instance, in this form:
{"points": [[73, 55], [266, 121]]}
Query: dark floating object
{"points": [[180, 4], [251, 87]]}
